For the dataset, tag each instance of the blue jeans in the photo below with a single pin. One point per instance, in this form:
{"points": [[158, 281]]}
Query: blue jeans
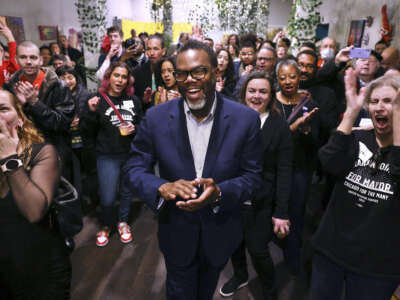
{"points": [[328, 280], [109, 172]]}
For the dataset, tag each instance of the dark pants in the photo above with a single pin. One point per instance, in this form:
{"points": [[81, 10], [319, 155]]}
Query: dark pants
{"points": [[257, 234], [196, 281], [329, 279], [300, 188]]}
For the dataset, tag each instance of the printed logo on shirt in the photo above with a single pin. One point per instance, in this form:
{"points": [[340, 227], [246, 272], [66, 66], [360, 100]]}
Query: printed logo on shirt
{"points": [[368, 182], [126, 111]]}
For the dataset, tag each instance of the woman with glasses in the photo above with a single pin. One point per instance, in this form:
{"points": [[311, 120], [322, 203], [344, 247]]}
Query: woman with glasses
{"points": [[167, 89], [357, 243], [226, 80]]}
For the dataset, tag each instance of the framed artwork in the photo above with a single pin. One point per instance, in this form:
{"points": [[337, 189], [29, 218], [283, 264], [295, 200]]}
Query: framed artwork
{"points": [[16, 26], [356, 33], [48, 33]]}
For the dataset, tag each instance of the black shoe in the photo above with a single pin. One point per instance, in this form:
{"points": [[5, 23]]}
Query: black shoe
{"points": [[231, 286]]}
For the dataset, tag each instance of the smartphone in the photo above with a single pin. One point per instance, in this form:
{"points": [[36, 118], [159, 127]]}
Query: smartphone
{"points": [[360, 53]]}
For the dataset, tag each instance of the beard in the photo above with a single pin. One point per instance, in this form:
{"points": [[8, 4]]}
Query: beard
{"points": [[208, 89]]}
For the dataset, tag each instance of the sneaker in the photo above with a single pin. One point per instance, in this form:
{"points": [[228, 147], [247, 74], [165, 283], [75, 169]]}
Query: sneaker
{"points": [[124, 232], [231, 286], [102, 238]]}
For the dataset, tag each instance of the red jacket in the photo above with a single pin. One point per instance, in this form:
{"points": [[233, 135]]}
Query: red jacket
{"points": [[9, 66]]}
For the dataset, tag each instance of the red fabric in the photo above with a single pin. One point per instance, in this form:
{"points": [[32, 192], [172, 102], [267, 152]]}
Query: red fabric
{"points": [[38, 80], [9, 66], [106, 45]]}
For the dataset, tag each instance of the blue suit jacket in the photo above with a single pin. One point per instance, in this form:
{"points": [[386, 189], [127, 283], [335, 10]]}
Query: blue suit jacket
{"points": [[233, 160]]}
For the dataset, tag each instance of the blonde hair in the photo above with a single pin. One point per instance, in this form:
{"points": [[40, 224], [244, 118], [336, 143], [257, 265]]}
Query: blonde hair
{"points": [[386, 80], [27, 133]]}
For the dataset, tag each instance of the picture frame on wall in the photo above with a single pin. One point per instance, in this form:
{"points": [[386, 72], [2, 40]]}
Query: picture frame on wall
{"points": [[356, 33], [48, 33]]}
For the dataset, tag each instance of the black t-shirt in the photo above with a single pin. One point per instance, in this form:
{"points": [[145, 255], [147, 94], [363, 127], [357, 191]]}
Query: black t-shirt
{"points": [[103, 124], [360, 229]]}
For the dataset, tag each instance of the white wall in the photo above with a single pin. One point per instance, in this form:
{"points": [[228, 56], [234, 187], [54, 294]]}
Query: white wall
{"points": [[63, 13], [339, 13]]}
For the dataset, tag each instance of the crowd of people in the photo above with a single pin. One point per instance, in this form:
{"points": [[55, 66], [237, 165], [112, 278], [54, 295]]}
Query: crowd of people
{"points": [[222, 140]]}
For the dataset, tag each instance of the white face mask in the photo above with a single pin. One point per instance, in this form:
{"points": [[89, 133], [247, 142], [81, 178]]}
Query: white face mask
{"points": [[327, 53]]}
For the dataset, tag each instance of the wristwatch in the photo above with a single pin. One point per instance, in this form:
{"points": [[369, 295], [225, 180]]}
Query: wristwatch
{"points": [[11, 164]]}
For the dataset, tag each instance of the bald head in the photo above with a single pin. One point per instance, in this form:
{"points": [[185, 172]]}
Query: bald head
{"points": [[27, 44], [390, 58]]}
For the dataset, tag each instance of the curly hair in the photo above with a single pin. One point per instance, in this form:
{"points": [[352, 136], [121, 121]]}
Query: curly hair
{"points": [[105, 83], [28, 135], [157, 69]]}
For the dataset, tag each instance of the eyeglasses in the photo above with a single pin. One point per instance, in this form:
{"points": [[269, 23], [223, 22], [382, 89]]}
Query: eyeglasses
{"points": [[198, 74], [246, 53]]}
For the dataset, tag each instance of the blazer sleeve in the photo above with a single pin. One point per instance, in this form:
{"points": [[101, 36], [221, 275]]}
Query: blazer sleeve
{"points": [[138, 171]]}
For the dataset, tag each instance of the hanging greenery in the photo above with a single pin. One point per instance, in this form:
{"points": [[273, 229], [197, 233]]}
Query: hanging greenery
{"points": [[303, 22], [92, 17], [164, 7], [243, 16]]}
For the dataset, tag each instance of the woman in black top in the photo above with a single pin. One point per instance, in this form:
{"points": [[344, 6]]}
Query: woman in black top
{"points": [[226, 79], [357, 242], [112, 138], [34, 262], [300, 113], [268, 212]]}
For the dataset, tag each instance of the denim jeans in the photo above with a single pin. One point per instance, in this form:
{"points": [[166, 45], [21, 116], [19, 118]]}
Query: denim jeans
{"points": [[109, 172], [329, 279]]}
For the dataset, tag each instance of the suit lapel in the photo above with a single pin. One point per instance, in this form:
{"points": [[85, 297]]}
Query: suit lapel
{"points": [[179, 133], [218, 132]]}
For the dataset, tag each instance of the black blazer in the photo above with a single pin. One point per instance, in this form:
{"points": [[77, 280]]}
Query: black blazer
{"points": [[277, 167], [143, 80]]}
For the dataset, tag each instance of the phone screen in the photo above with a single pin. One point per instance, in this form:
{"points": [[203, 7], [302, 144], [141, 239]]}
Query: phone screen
{"points": [[360, 53]]}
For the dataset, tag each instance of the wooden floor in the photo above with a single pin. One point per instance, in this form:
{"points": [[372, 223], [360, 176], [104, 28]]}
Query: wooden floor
{"points": [[136, 270]]}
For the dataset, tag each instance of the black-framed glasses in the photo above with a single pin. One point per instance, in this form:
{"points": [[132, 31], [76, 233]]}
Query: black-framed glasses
{"points": [[197, 73]]}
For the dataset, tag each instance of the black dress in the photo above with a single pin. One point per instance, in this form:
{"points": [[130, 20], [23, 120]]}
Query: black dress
{"points": [[34, 262]]}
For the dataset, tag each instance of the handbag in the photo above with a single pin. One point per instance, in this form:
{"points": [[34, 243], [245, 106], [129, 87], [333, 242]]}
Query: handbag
{"points": [[66, 211]]}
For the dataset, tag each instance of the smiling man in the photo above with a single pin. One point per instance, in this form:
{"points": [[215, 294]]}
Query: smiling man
{"points": [[207, 150]]}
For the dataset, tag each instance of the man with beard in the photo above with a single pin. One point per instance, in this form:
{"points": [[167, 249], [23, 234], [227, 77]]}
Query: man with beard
{"points": [[144, 83], [207, 150], [325, 97]]}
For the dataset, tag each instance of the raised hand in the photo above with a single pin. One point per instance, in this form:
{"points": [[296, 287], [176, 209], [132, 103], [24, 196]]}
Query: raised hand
{"points": [[172, 94], [26, 92], [163, 94], [94, 103], [197, 33], [147, 95], [354, 100], [343, 55], [396, 119], [302, 121], [8, 140]]}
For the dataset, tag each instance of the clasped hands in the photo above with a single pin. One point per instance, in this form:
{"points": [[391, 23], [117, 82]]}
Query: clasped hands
{"points": [[187, 190]]}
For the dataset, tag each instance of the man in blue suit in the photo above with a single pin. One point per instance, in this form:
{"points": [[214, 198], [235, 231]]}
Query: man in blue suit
{"points": [[208, 150]]}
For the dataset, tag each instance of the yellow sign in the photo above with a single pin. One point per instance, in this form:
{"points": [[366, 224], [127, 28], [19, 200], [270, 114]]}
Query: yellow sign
{"points": [[153, 27]]}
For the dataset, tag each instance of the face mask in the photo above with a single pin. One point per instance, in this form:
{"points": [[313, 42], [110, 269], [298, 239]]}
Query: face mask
{"points": [[327, 53]]}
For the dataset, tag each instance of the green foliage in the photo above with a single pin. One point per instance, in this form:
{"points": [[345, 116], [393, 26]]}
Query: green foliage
{"points": [[304, 19], [164, 7], [92, 17]]}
